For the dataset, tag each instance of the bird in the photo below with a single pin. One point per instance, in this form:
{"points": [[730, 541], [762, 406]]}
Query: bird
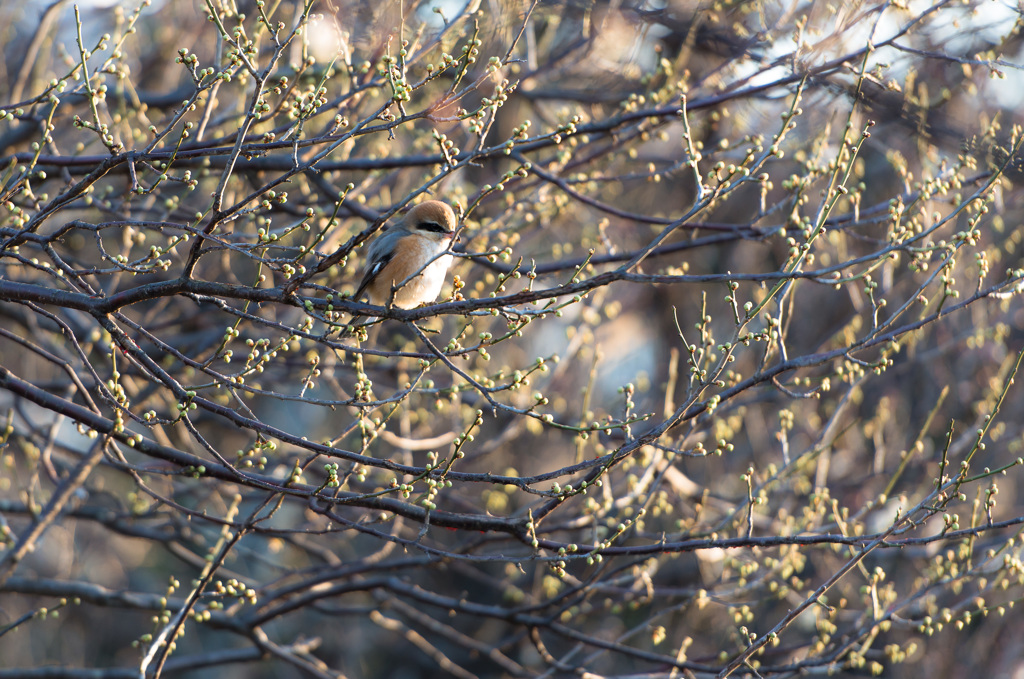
{"points": [[407, 264]]}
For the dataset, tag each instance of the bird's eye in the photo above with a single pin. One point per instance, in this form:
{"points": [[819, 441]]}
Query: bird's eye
{"points": [[432, 226]]}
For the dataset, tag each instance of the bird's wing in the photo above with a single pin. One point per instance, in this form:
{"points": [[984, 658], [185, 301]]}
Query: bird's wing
{"points": [[371, 272]]}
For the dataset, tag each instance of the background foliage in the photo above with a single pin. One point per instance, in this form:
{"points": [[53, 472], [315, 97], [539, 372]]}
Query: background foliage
{"points": [[722, 383]]}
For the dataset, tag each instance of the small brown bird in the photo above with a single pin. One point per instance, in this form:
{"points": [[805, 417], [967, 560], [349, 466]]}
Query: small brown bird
{"points": [[412, 256]]}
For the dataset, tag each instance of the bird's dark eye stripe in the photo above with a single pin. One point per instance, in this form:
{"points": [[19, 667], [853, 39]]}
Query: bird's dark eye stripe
{"points": [[433, 226]]}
